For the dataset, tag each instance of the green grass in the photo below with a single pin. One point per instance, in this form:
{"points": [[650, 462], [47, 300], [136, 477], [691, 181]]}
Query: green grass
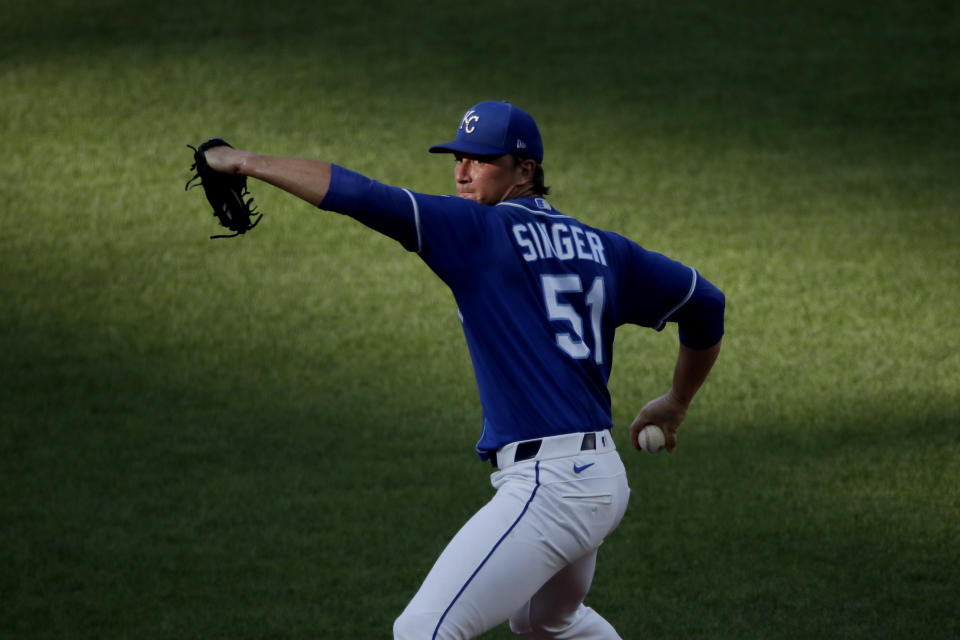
{"points": [[271, 437]]}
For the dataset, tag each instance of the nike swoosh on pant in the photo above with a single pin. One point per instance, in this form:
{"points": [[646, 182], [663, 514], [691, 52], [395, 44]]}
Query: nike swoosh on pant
{"points": [[577, 469]]}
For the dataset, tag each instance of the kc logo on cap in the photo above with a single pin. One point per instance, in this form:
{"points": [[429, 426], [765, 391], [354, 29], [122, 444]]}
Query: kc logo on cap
{"points": [[469, 118]]}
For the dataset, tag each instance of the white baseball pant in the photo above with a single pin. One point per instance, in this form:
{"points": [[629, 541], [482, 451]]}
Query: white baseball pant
{"points": [[528, 556]]}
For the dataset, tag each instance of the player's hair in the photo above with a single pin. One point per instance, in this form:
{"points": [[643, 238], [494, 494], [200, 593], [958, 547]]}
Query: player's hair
{"points": [[539, 187]]}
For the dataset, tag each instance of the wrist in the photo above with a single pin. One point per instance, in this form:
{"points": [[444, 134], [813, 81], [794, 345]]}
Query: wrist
{"points": [[680, 399], [246, 163]]}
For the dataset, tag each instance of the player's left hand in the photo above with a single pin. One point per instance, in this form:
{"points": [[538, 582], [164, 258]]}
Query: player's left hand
{"points": [[225, 159], [223, 185], [667, 412]]}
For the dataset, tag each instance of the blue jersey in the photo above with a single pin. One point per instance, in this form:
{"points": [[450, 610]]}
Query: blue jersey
{"points": [[539, 294]]}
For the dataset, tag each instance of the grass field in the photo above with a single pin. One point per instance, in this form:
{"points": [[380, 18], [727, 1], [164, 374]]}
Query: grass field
{"points": [[271, 437]]}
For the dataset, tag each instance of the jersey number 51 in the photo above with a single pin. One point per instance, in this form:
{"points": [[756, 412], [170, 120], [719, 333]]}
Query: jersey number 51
{"points": [[573, 344]]}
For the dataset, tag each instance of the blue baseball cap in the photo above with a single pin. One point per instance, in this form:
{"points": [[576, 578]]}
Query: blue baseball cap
{"points": [[494, 128]]}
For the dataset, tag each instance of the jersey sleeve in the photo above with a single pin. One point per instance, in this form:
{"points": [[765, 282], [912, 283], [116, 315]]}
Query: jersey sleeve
{"points": [[700, 318], [656, 290], [390, 210]]}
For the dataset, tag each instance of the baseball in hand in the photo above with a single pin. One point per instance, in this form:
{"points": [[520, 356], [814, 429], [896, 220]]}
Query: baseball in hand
{"points": [[651, 439]]}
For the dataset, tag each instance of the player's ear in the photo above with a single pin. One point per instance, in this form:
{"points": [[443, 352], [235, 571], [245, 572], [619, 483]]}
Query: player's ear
{"points": [[527, 168]]}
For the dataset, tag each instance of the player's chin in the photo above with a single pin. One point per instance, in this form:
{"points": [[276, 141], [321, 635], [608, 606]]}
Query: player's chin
{"points": [[475, 197]]}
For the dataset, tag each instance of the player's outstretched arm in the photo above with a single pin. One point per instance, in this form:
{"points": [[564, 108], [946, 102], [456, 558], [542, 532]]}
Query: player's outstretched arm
{"points": [[305, 178], [669, 410]]}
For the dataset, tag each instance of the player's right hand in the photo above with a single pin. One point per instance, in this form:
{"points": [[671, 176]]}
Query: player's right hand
{"points": [[667, 412]]}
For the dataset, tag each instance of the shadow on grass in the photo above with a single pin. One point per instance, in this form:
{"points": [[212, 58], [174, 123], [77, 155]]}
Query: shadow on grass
{"points": [[882, 81], [144, 497], [775, 531]]}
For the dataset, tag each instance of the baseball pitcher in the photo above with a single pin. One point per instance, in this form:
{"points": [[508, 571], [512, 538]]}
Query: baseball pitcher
{"points": [[540, 295]]}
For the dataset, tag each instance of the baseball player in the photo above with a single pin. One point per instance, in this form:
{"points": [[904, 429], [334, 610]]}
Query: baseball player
{"points": [[539, 294]]}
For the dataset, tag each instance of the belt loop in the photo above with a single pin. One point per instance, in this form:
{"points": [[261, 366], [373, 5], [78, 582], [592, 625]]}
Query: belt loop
{"points": [[589, 441], [527, 450]]}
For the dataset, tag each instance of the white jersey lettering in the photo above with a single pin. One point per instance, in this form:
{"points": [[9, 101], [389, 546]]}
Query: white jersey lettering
{"points": [[536, 240], [561, 241], [596, 248], [579, 243], [519, 234], [540, 241], [545, 239]]}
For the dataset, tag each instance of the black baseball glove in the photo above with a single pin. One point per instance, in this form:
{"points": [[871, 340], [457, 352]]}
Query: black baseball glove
{"points": [[225, 192]]}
